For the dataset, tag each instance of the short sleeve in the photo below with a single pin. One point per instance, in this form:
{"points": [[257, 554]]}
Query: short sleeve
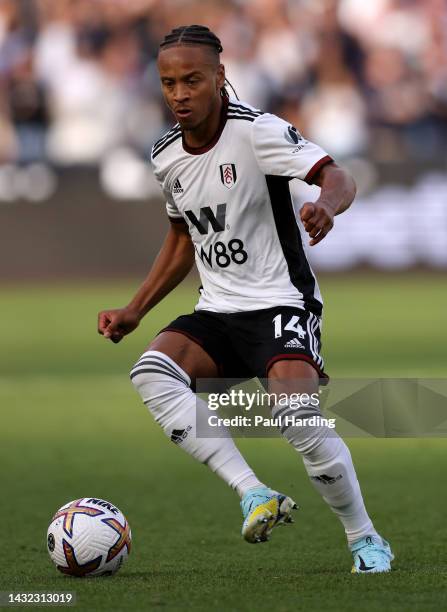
{"points": [[173, 212], [282, 151], [175, 216]]}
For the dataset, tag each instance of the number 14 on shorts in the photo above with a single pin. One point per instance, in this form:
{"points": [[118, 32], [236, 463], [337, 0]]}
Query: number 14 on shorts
{"points": [[293, 325]]}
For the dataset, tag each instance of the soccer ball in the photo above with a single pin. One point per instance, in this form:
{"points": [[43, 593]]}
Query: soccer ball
{"points": [[89, 537]]}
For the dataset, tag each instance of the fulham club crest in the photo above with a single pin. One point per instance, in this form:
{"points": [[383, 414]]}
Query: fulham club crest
{"points": [[228, 175]]}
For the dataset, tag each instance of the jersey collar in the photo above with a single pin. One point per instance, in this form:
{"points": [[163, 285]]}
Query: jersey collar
{"points": [[215, 138]]}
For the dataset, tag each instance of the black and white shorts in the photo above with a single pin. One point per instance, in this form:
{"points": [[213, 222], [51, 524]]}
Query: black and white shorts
{"points": [[247, 344]]}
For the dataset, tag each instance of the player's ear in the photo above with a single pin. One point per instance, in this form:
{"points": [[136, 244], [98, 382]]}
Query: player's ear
{"points": [[220, 77]]}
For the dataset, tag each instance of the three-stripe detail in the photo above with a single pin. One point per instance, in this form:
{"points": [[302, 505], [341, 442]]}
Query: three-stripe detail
{"points": [[312, 325], [299, 413], [239, 111], [167, 139], [150, 363]]}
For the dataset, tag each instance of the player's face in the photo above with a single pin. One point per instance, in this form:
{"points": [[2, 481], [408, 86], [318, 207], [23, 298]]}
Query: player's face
{"points": [[191, 79]]}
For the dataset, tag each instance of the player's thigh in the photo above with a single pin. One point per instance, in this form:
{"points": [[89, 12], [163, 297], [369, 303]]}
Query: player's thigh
{"points": [[293, 376], [186, 353]]}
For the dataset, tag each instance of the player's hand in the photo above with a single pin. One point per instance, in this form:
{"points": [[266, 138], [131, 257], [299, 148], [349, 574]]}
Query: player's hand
{"points": [[318, 220], [117, 323]]}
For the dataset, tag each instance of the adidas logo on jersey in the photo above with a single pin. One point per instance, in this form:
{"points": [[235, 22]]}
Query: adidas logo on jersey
{"points": [[294, 343], [177, 187]]}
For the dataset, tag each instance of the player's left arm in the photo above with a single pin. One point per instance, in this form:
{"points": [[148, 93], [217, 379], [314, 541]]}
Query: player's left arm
{"points": [[338, 191], [280, 150]]}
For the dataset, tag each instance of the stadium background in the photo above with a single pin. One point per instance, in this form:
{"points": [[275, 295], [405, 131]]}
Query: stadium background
{"points": [[80, 222]]}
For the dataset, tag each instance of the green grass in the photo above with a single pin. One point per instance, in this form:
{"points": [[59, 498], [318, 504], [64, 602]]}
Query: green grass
{"points": [[72, 426]]}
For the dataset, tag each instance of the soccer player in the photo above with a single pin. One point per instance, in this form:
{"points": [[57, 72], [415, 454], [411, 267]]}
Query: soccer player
{"points": [[224, 169]]}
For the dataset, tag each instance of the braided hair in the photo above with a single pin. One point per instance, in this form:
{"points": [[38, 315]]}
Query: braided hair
{"points": [[192, 35], [195, 35]]}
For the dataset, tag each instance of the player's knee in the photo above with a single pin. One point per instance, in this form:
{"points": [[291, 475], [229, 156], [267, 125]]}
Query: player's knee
{"points": [[165, 389], [158, 378]]}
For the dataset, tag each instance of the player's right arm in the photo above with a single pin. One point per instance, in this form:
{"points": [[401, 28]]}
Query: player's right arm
{"points": [[174, 260]]}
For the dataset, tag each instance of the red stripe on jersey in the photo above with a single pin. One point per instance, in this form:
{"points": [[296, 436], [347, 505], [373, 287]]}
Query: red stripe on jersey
{"points": [[316, 167]]}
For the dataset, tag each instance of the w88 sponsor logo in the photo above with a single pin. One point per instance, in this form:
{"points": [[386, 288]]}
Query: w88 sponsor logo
{"points": [[223, 254]]}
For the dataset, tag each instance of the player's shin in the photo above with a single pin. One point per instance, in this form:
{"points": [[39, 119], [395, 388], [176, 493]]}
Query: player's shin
{"points": [[165, 390], [329, 465]]}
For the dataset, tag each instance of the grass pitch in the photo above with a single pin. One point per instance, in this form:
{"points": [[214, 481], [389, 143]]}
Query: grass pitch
{"points": [[72, 426]]}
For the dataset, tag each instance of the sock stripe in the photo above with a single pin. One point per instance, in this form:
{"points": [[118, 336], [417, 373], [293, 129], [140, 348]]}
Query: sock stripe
{"points": [[145, 370], [301, 414], [159, 361], [168, 362], [280, 411], [304, 415], [288, 410]]}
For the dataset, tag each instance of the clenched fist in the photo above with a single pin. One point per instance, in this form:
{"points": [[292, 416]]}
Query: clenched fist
{"points": [[117, 323], [318, 220]]}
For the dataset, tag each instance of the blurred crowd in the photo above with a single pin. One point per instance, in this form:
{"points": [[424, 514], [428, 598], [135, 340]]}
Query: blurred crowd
{"points": [[78, 78]]}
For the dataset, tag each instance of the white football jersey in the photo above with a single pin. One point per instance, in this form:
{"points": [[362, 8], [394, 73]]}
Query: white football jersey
{"points": [[234, 196]]}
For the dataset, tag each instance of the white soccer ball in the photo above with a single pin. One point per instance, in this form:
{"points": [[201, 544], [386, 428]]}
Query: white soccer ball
{"points": [[89, 537]]}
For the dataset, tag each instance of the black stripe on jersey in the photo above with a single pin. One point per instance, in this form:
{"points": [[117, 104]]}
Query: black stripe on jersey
{"points": [[166, 144], [161, 140], [244, 114], [243, 117], [290, 239], [242, 108], [166, 137]]}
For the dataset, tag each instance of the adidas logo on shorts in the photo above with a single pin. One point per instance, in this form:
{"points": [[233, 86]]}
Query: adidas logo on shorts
{"points": [[177, 187], [294, 343]]}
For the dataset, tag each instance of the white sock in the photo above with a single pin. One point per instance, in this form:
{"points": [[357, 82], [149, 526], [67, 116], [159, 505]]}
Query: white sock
{"points": [[329, 465], [165, 390]]}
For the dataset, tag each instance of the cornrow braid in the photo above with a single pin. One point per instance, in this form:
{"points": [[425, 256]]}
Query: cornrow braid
{"points": [[195, 35], [192, 35]]}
